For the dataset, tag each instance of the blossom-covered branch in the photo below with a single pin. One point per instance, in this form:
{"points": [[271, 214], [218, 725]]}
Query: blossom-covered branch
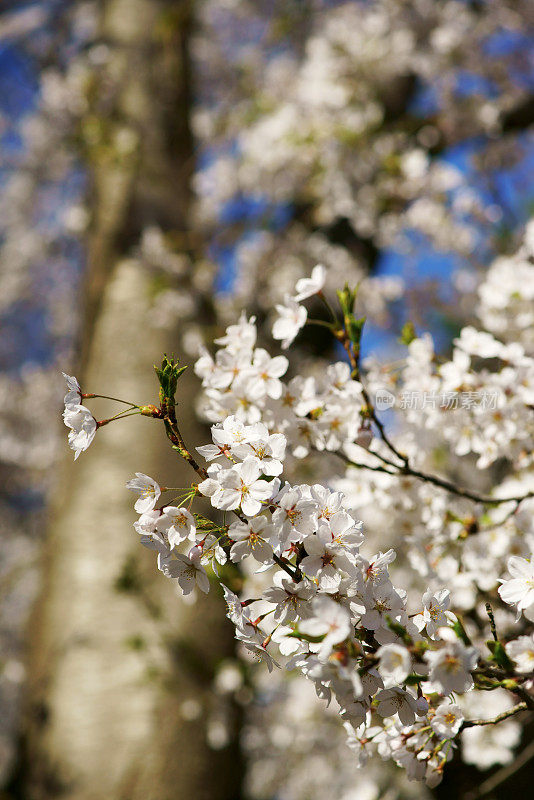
{"points": [[390, 657]]}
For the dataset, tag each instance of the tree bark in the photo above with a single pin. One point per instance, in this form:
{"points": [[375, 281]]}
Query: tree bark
{"points": [[120, 666]]}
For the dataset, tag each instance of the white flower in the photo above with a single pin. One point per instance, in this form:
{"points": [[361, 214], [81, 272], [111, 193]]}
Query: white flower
{"points": [[447, 720], [329, 620], [263, 376], [360, 741], [295, 517], [433, 616], [83, 427], [345, 531], [239, 486], [521, 651], [306, 287], [268, 449], [74, 395], [188, 571], [291, 318], [236, 612], [519, 590], [376, 570], [232, 431], [147, 522], [253, 641], [240, 337], [205, 365], [226, 436], [397, 701], [451, 666], [148, 491], [242, 401], [226, 369], [178, 524], [287, 644], [395, 663], [324, 560], [479, 343], [249, 540], [291, 599], [328, 502], [381, 601]]}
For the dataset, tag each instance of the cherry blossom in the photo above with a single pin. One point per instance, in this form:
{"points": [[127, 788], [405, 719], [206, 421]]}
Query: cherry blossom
{"points": [[177, 524], [306, 287], [250, 539], [82, 426], [519, 589], [447, 720], [187, 570], [521, 651], [148, 491], [291, 318], [74, 394]]}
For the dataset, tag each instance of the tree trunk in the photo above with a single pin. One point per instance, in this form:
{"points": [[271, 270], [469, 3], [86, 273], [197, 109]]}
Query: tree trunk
{"points": [[120, 667]]}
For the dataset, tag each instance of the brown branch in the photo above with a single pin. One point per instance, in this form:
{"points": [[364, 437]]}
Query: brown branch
{"points": [[173, 432]]}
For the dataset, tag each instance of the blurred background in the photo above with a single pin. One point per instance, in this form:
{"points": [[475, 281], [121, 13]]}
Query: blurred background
{"points": [[164, 164]]}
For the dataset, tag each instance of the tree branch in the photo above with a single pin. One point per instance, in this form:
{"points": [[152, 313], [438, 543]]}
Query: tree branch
{"points": [[471, 723]]}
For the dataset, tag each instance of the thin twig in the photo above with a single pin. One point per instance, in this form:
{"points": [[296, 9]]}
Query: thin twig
{"points": [[435, 480], [372, 413], [405, 468], [525, 696], [173, 432], [107, 397], [471, 723], [352, 463]]}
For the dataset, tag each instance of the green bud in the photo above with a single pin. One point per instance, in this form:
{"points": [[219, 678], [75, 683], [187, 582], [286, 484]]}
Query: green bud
{"points": [[510, 684], [306, 637], [347, 298], [168, 376], [408, 333], [499, 655], [400, 630], [413, 679], [354, 328], [461, 633]]}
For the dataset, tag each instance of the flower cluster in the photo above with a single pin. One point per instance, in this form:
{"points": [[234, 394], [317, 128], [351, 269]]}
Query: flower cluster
{"points": [[245, 382], [396, 660]]}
